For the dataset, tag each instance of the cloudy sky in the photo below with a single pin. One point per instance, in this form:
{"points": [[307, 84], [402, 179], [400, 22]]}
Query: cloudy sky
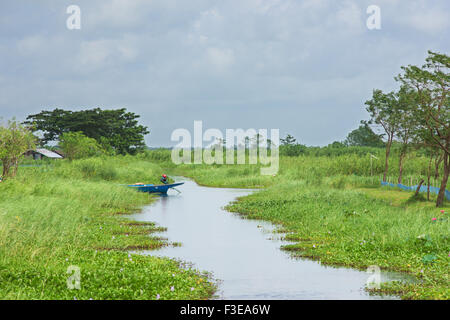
{"points": [[305, 67]]}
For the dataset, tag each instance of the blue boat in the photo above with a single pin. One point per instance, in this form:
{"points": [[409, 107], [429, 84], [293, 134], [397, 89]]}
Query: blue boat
{"points": [[151, 188]]}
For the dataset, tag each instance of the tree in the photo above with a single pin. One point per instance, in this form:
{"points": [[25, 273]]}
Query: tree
{"points": [[363, 137], [15, 140], [383, 110], [431, 82], [337, 144], [288, 141], [76, 145], [408, 124], [118, 129], [290, 147], [435, 154]]}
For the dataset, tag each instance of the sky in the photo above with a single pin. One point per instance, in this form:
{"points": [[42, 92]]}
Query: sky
{"points": [[303, 67]]}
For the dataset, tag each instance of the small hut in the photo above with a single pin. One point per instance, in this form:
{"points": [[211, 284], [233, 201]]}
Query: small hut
{"points": [[39, 154]]}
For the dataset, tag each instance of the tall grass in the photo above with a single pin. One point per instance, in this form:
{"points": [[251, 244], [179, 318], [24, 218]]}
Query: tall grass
{"points": [[62, 214]]}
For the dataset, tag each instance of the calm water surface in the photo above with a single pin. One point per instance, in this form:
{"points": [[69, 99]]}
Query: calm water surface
{"points": [[244, 255]]}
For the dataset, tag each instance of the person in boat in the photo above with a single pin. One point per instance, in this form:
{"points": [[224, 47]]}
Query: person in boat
{"points": [[164, 179]]}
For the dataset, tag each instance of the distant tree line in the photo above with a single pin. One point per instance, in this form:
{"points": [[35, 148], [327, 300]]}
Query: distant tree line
{"points": [[360, 137]]}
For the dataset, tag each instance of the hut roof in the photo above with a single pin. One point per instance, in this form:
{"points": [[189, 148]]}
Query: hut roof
{"points": [[48, 153]]}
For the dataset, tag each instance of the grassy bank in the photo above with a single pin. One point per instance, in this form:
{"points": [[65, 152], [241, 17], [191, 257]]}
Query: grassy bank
{"points": [[337, 213], [63, 214]]}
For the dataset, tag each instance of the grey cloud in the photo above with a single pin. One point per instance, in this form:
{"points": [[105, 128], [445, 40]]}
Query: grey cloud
{"points": [[305, 67]]}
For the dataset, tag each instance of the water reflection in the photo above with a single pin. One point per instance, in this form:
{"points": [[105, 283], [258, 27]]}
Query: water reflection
{"points": [[244, 255]]}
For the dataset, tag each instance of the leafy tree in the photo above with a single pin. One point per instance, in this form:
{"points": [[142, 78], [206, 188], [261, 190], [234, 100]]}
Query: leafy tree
{"points": [[76, 145], [15, 140], [290, 147], [363, 137], [408, 124], [337, 144], [383, 110], [431, 82], [288, 141], [106, 147], [117, 129]]}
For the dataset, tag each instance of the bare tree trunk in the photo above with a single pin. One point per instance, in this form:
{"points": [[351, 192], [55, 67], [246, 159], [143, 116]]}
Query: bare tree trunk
{"points": [[400, 166], [15, 165], [441, 194], [418, 187], [6, 167], [437, 163], [386, 162], [429, 177]]}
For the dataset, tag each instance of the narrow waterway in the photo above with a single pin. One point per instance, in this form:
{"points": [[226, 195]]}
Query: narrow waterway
{"points": [[244, 255]]}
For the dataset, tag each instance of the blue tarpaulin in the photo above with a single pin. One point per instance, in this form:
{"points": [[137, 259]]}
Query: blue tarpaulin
{"points": [[413, 188]]}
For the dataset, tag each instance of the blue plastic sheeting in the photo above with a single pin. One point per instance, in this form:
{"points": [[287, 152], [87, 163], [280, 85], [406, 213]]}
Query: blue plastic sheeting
{"points": [[413, 188]]}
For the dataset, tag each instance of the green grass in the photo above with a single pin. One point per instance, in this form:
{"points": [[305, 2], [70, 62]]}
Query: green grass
{"points": [[65, 214], [62, 214], [337, 213]]}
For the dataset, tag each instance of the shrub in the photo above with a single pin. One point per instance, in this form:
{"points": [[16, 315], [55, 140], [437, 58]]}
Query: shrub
{"points": [[76, 145]]}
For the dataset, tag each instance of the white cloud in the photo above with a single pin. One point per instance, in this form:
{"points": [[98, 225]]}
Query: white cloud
{"points": [[429, 20], [118, 13], [97, 54], [425, 16], [94, 53], [221, 59], [30, 45], [351, 16]]}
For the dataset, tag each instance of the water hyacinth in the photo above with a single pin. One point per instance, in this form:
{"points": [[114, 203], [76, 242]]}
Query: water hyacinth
{"points": [[81, 211], [172, 288], [158, 296]]}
